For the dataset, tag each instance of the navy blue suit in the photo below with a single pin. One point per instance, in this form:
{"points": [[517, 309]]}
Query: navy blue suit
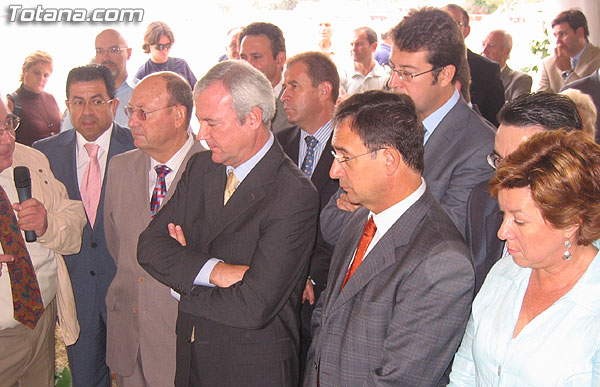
{"points": [[93, 269]]}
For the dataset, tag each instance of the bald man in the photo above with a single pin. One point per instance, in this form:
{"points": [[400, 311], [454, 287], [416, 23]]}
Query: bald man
{"points": [[113, 52]]}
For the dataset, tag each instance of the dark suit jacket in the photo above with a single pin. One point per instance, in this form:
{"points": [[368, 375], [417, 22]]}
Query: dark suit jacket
{"points": [[487, 91], [93, 268], [248, 333], [589, 85], [133, 291], [455, 161], [401, 316], [321, 257], [280, 121], [483, 221]]}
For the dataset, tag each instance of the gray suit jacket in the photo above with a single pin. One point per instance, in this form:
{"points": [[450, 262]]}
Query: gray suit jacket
{"points": [[455, 161], [515, 83], [590, 85], [141, 311], [93, 268], [280, 121], [401, 316], [246, 334]]}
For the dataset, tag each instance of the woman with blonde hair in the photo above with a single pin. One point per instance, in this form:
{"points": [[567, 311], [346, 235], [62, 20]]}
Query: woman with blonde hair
{"points": [[38, 110]]}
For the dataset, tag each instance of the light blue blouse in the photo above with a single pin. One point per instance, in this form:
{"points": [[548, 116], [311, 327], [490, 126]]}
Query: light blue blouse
{"points": [[559, 347]]}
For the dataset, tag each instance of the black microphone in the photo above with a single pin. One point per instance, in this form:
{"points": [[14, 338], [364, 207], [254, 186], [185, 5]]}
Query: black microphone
{"points": [[23, 185]]}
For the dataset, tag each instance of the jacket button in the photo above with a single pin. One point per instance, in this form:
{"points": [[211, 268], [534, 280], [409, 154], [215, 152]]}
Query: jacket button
{"points": [[94, 245], [92, 273]]}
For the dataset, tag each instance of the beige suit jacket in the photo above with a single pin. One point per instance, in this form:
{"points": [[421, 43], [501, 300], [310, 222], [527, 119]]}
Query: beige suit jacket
{"points": [[551, 76], [66, 219], [141, 312]]}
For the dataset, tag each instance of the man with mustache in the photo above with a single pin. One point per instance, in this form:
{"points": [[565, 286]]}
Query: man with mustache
{"points": [[79, 159]]}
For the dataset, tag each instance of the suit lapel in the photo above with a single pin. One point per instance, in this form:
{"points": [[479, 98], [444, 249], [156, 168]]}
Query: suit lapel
{"points": [[320, 176], [291, 145], [492, 223], [388, 251], [444, 136], [69, 178], [140, 184]]}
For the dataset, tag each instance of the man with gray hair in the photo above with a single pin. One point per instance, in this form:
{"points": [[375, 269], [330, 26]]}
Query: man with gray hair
{"points": [[497, 46], [250, 215]]}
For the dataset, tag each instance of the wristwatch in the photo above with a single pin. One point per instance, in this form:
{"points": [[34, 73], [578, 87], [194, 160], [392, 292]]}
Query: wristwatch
{"points": [[565, 74]]}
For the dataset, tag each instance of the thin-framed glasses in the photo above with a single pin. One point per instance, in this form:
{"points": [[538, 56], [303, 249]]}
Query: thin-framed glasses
{"points": [[10, 125], [494, 160], [345, 159], [94, 103], [111, 50], [405, 75], [161, 47], [140, 113]]}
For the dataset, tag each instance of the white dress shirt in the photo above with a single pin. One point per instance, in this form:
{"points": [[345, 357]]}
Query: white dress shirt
{"points": [[559, 347], [82, 158]]}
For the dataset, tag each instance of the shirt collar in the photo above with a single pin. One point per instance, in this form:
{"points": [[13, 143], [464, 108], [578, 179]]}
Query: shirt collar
{"points": [[386, 218], [277, 90], [433, 120], [103, 141], [322, 135], [246, 167], [175, 161], [578, 56]]}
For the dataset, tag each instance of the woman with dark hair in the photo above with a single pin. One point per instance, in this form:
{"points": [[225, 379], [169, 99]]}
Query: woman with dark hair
{"points": [[38, 110], [158, 41], [536, 319]]}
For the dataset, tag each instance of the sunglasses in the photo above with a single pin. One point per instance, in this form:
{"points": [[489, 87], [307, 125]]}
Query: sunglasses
{"points": [[161, 47]]}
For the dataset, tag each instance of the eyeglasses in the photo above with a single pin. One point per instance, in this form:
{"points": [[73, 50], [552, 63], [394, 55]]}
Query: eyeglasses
{"points": [[94, 104], [161, 47], [110, 50], [11, 123], [405, 75], [345, 159], [494, 160], [140, 113]]}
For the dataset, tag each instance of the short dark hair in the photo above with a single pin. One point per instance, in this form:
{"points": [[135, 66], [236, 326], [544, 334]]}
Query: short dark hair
{"points": [[271, 31], [180, 92], [575, 18], [371, 34], [382, 119], [89, 73], [320, 68], [464, 13], [153, 33], [433, 30], [548, 110], [562, 170]]}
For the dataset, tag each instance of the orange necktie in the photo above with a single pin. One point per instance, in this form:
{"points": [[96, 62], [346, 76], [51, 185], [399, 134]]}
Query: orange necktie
{"points": [[366, 238]]}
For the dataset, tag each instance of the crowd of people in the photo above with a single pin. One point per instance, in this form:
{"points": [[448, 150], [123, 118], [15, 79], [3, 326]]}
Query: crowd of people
{"points": [[419, 218]]}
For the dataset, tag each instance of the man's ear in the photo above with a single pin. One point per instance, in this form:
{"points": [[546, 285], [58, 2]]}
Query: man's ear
{"points": [[280, 59], [324, 89], [254, 118], [445, 76]]}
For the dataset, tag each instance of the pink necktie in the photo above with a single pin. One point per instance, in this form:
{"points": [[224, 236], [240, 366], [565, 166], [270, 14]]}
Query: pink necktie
{"points": [[90, 187]]}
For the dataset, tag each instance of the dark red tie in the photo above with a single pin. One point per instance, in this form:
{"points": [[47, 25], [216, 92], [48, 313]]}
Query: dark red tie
{"points": [[27, 299], [366, 238]]}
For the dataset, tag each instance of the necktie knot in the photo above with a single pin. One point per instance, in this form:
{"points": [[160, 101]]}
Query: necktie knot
{"points": [[92, 150], [162, 170], [370, 228], [311, 142]]}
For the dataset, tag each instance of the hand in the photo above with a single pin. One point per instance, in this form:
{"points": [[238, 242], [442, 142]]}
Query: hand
{"points": [[224, 275], [309, 292], [343, 203], [562, 59], [5, 258], [32, 216], [176, 232]]}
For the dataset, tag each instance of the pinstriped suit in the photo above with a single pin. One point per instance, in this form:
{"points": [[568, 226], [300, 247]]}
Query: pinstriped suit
{"points": [[401, 316]]}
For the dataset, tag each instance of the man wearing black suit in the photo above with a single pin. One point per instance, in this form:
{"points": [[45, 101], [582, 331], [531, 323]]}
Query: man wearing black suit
{"points": [[590, 85], [92, 104], [311, 84], [250, 216], [425, 66], [487, 91], [519, 119]]}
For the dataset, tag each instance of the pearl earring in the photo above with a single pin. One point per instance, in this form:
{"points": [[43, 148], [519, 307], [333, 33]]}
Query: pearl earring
{"points": [[567, 254]]}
